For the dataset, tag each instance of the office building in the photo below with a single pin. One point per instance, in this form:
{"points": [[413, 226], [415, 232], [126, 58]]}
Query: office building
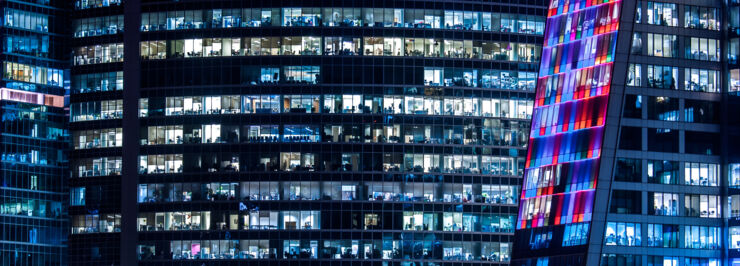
{"points": [[33, 135], [632, 154], [304, 132]]}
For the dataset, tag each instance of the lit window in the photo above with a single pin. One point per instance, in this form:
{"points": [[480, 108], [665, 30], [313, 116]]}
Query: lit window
{"points": [[701, 237], [634, 75], [701, 174], [662, 235], [575, 234], [77, 196], [663, 203], [662, 45], [702, 17], [419, 221], [663, 14], [702, 49], [735, 237], [623, 234], [663, 77], [701, 80], [705, 206]]}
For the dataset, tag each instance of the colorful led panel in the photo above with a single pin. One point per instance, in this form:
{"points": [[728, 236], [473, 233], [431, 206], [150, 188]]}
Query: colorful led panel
{"points": [[569, 115]]}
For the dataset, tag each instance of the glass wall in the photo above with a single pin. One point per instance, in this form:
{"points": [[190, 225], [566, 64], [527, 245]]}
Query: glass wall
{"points": [[97, 54], [623, 234], [367, 46], [342, 17]]}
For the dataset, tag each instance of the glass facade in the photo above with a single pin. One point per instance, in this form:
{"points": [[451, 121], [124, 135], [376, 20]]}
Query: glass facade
{"points": [[731, 79], [33, 134], [397, 132], [567, 130], [299, 134], [631, 171]]}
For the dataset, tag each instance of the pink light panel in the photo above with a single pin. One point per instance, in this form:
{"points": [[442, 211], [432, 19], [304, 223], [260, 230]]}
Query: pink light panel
{"points": [[31, 97]]}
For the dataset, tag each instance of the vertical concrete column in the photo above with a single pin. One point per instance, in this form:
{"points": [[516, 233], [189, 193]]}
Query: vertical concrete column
{"points": [[130, 154]]}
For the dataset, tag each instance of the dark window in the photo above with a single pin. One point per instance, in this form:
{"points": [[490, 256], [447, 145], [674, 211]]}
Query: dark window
{"points": [[702, 143], [540, 238], [663, 108], [733, 103], [700, 112], [631, 138], [660, 261], [694, 261], [628, 170], [663, 77], [662, 172], [636, 43], [620, 260], [633, 106], [626, 202], [662, 140]]}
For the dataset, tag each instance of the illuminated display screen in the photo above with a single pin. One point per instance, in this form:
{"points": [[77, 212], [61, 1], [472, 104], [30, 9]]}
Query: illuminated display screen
{"points": [[569, 112]]}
